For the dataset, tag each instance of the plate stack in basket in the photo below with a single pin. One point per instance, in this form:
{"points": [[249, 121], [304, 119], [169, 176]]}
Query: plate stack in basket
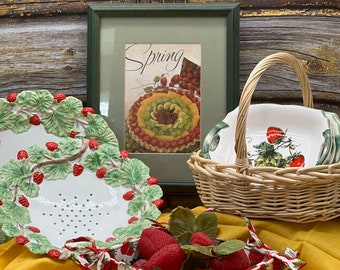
{"points": [[272, 161]]}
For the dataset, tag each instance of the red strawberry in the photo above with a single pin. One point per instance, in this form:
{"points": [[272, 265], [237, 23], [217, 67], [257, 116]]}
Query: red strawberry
{"points": [[140, 264], [128, 196], [52, 146], [152, 240], [73, 134], [54, 253], [1, 203], [201, 239], [235, 261], [274, 133], [93, 144], [175, 79], [22, 240], [86, 110], [77, 169], [133, 219], [152, 181], [124, 154], [38, 177], [33, 229], [23, 201], [100, 173], [12, 97], [126, 249], [255, 257], [298, 161], [170, 257], [59, 97], [163, 81], [158, 203], [35, 120], [22, 154]]}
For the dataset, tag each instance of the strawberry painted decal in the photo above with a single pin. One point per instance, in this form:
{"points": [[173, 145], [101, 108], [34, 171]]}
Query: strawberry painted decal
{"points": [[278, 150]]}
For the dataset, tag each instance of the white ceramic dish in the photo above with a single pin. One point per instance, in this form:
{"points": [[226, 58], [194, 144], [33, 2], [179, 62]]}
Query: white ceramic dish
{"points": [[304, 133], [74, 198]]}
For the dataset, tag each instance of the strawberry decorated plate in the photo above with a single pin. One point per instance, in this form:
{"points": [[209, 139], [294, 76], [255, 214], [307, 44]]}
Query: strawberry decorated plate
{"points": [[278, 136], [66, 189]]}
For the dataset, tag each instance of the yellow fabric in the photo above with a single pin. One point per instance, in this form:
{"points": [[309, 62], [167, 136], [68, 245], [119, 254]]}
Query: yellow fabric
{"points": [[318, 243]]}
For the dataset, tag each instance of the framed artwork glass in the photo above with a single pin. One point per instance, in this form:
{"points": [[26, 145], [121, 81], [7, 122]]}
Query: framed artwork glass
{"points": [[163, 75]]}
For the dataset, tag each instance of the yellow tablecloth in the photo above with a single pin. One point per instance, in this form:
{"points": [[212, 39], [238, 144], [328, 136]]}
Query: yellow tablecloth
{"points": [[318, 243]]}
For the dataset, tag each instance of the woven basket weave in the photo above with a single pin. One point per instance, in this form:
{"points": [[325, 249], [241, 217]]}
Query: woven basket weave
{"points": [[291, 194]]}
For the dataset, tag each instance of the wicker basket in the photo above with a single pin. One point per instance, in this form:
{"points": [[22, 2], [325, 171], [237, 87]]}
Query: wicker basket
{"points": [[291, 194]]}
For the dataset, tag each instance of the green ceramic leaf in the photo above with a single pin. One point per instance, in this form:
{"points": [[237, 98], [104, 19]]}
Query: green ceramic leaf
{"points": [[18, 214], [152, 212], [133, 172], [207, 223], [69, 146], [7, 117], [152, 193], [109, 151], [71, 105], [10, 230], [58, 122], [229, 247], [112, 178], [41, 100], [30, 189], [57, 171], [36, 153], [5, 190], [135, 205], [134, 230], [38, 244], [16, 171], [21, 124], [94, 160]]}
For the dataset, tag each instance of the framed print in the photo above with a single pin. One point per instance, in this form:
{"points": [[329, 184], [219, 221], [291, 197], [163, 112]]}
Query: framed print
{"points": [[163, 75]]}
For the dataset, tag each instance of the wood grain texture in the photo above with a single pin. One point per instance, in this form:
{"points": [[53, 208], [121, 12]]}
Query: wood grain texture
{"points": [[49, 51]]}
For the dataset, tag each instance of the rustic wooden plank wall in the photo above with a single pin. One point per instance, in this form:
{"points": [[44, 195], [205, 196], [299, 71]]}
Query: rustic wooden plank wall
{"points": [[43, 45]]}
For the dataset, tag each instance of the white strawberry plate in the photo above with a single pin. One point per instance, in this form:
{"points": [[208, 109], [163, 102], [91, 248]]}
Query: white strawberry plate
{"points": [[294, 131], [65, 187]]}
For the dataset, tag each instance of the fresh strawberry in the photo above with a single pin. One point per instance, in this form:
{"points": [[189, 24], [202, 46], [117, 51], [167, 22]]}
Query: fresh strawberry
{"points": [[38, 177], [124, 154], [152, 240], [12, 97], [100, 173], [86, 110], [23, 201], [54, 253], [170, 257], [93, 144], [73, 134], [22, 154], [52, 146], [152, 181], [201, 239], [235, 261], [126, 249], [128, 196], [22, 240], [33, 229], [274, 133], [132, 219], [59, 97], [77, 169], [140, 264], [158, 203], [298, 161], [255, 257], [35, 120]]}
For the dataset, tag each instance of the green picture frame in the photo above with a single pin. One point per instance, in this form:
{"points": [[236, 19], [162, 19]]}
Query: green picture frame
{"points": [[110, 26]]}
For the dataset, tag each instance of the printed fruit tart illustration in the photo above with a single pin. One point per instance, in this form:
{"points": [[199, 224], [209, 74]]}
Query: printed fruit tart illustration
{"points": [[167, 118]]}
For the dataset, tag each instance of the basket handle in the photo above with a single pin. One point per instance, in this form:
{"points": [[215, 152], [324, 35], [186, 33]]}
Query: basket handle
{"points": [[248, 90]]}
